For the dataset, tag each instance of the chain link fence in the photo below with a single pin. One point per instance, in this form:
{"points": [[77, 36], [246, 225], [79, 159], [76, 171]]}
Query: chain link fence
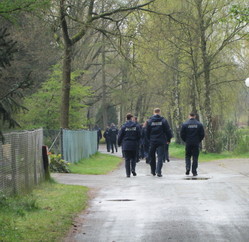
{"points": [[74, 145], [52, 139], [78, 144], [21, 164]]}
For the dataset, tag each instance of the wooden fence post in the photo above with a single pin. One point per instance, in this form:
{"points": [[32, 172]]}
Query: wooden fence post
{"points": [[45, 162]]}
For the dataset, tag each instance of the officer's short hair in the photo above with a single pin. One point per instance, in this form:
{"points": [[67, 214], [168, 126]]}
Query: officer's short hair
{"points": [[157, 110], [192, 114], [129, 116]]}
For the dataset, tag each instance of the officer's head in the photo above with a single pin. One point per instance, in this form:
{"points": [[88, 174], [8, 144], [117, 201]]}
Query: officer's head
{"points": [[157, 111], [192, 115], [134, 118], [129, 116]]}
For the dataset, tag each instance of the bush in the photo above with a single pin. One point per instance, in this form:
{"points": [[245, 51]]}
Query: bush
{"points": [[243, 145], [58, 165]]}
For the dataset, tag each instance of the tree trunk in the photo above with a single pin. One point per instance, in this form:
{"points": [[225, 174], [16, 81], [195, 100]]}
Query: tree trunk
{"points": [[177, 114], [66, 85], [210, 132], [104, 101]]}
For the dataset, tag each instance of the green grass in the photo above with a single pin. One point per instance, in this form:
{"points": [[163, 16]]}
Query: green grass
{"points": [[96, 165], [44, 215], [178, 151]]}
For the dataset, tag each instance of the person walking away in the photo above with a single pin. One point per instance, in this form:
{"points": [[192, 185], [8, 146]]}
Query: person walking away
{"points": [[166, 153], [128, 137], [145, 143], [158, 133], [135, 120], [99, 135], [113, 132], [107, 138], [192, 133]]}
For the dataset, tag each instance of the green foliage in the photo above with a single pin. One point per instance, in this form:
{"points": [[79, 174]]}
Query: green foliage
{"points": [[8, 8], [57, 164], [229, 136], [240, 13], [44, 105], [242, 146], [45, 215], [9, 101], [96, 165]]}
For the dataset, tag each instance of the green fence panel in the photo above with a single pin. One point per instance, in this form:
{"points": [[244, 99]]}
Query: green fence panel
{"points": [[78, 144]]}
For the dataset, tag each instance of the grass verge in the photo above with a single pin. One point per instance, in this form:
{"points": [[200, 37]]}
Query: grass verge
{"points": [[44, 215], [97, 164], [178, 151]]}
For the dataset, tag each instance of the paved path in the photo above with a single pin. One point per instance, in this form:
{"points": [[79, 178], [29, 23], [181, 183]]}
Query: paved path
{"points": [[171, 208]]}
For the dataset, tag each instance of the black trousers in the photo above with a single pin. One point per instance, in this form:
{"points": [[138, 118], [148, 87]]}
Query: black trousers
{"points": [[114, 145], [108, 145], [130, 161], [192, 151], [156, 167]]}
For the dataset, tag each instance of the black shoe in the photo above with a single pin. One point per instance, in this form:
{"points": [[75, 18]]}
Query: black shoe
{"points": [[195, 174], [187, 172], [134, 173], [168, 160], [128, 176], [159, 175], [153, 173]]}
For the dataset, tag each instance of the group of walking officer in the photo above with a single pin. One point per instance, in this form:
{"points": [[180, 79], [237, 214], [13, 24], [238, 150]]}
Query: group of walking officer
{"points": [[157, 132], [110, 136]]}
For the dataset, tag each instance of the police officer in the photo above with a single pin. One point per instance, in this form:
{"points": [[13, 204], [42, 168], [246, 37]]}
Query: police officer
{"points": [[135, 120], [99, 134], [113, 132], [159, 133], [107, 138], [145, 143], [192, 133], [128, 137]]}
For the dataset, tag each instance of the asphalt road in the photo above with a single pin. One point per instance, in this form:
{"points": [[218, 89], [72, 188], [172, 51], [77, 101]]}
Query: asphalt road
{"points": [[172, 208]]}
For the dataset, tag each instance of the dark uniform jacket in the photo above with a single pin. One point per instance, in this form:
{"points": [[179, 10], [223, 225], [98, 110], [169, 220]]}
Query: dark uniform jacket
{"points": [[113, 132], [158, 130], [106, 134], [129, 136], [99, 134], [192, 132], [144, 139]]}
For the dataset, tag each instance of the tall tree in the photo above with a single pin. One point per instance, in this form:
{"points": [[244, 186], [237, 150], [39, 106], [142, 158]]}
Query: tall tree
{"points": [[90, 16]]}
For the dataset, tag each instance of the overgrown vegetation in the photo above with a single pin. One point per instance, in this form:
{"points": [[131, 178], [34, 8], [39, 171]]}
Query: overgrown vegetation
{"points": [[96, 165], [57, 164], [44, 215]]}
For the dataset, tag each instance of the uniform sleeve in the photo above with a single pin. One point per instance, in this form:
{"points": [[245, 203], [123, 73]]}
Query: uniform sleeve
{"points": [[138, 133], [202, 132], [120, 136], [183, 133], [168, 131], [100, 134], [148, 131]]}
